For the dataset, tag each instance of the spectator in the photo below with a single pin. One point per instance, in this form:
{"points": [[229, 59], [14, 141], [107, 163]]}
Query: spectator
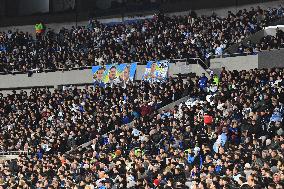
{"points": [[161, 37], [172, 149]]}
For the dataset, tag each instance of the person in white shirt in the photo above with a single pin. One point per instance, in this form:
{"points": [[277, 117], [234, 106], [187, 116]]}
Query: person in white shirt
{"points": [[218, 50]]}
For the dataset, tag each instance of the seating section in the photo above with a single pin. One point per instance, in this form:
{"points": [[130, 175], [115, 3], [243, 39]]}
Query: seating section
{"points": [[224, 131], [55, 122], [161, 37], [228, 134], [266, 43]]}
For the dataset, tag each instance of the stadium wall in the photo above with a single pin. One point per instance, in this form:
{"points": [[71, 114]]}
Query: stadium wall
{"points": [[235, 63], [269, 59], [28, 7], [79, 77], [264, 59]]}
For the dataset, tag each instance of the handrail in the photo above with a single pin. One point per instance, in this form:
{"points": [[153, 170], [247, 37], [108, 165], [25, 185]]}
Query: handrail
{"points": [[77, 68], [72, 68], [244, 53], [203, 64], [274, 27], [20, 152], [178, 60], [225, 55]]}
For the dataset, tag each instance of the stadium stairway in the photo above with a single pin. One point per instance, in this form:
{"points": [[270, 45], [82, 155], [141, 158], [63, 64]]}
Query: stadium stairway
{"points": [[167, 107]]}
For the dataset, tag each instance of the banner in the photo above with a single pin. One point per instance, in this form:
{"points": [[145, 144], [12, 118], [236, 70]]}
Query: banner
{"points": [[156, 71], [113, 74]]}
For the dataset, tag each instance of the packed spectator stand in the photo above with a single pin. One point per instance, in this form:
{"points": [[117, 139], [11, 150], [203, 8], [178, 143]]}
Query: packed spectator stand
{"points": [[159, 38], [228, 134]]}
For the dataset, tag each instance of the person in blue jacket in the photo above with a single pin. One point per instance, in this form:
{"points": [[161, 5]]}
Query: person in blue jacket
{"points": [[203, 81], [190, 158]]}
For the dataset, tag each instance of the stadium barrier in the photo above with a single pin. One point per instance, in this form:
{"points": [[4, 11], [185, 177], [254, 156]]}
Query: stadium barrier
{"points": [[84, 76], [8, 155], [264, 59]]}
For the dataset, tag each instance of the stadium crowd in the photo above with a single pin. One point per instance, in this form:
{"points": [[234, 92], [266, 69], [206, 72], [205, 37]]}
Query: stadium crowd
{"points": [[56, 121], [161, 37], [228, 134], [266, 43]]}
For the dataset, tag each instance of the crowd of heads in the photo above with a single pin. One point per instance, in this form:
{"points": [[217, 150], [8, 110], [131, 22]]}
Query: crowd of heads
{"points": [[56, 121], [226, 133], [266, 43], [159, 38]]}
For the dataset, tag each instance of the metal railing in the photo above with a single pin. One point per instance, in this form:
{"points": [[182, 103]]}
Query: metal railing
{"points": [[226, 55], [13, 72], [198, 61], [45, 70], [17, 153]]}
